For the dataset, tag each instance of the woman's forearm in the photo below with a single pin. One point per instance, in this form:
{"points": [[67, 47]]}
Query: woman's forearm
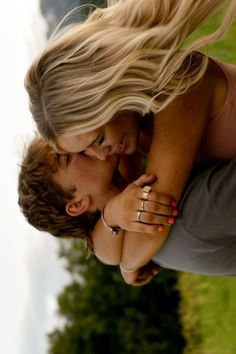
{"points": [[139, 248], [107, 247], [136, 246]]}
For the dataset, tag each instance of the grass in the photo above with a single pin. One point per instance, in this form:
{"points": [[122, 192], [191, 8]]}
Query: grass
{"points": [[208, 304], [208, 313], [223, 49]]}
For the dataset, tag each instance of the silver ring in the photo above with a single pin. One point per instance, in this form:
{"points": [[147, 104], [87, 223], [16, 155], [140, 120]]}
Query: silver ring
{"points": [[142, 205], [146, 191], [138, 215]]}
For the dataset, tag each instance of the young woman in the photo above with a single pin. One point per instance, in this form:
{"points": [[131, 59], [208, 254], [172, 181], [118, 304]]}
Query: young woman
{"points": [[97, 82]]}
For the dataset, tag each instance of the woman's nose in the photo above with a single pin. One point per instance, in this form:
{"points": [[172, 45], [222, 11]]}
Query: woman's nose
{"points": [[100, 152]]}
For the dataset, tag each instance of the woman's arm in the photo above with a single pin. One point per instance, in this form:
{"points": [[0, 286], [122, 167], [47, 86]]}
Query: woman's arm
{"points": [[108, 248], [176, 138], [178, 131], [177, 135], [158, 211]]}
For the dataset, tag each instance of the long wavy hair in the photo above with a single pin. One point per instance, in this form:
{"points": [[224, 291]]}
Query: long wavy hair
{"points": [[130, 56]]}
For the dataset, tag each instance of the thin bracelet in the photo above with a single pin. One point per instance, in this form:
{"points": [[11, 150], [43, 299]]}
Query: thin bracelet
{"points": [[113, 229], [127, 270]]}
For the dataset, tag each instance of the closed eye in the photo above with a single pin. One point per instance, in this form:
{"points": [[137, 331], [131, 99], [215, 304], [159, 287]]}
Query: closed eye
{"points": [[100, 140], [97, 142], [67, 159]]}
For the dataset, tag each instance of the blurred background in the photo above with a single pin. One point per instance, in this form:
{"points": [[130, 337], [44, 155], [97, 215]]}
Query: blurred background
{"points": [[53, 299]]}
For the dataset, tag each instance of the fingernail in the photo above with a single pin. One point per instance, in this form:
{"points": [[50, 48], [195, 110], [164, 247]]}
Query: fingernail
{"points": [[175, 212], [173, 203], [160, 228], [171, 220]]}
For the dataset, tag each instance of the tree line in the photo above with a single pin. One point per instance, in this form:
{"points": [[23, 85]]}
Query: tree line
{"points": [[102, 314]]}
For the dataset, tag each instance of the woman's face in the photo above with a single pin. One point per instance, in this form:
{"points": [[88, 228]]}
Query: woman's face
{"points": [[119, 136]]}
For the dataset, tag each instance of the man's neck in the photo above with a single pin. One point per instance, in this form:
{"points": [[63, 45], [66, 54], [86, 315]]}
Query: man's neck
{"points": [[119, 182]]}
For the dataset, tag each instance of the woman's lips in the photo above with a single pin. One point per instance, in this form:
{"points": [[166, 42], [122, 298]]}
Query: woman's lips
{"points": [[119, 149]]}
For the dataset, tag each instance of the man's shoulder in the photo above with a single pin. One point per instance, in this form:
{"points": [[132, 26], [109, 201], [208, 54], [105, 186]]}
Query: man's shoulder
{"points": [[209, 201]]}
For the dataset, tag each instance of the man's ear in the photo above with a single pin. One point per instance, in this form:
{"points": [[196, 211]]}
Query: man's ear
{"points": [[77, 207]]}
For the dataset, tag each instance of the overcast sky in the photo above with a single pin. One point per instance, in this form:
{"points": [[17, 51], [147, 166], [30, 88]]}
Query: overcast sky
{"points": [[30, 272]]}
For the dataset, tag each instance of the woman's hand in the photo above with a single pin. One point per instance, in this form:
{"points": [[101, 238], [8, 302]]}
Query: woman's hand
{"points": [[139, 211], [141, 276]]}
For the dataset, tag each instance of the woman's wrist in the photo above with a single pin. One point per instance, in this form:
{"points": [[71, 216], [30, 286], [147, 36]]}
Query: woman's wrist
{"points": [[113, 229], [110, 212]]}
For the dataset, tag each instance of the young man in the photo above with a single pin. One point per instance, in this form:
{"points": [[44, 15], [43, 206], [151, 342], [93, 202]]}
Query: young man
{"points": [[62, 197]]}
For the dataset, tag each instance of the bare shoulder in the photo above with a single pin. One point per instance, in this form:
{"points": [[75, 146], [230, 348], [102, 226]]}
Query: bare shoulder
{"points": [[216, 78], [198, 101]]}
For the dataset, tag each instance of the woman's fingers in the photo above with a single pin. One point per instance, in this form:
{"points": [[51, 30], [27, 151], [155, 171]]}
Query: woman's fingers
{"points": [[156, 208], [140, 209], [161, 198], [144, 222], [145, 179], [147, 228], [146, 275], [147, 221], [143, 217]]}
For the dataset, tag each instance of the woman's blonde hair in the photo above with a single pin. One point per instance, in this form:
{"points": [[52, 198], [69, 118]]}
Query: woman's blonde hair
{"points": [[130, 56]]}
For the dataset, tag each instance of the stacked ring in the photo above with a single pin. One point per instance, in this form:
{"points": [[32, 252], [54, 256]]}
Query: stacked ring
{"points": [[138, 215], [142, 205], [146, 191]]}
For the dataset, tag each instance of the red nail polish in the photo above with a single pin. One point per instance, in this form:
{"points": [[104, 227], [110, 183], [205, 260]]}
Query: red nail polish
{"points": [[171, 220], [173, 203], [175, 212], [160, 228]]}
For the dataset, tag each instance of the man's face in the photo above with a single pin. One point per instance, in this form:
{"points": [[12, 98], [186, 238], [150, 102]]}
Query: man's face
{"points": [[89, 176]]}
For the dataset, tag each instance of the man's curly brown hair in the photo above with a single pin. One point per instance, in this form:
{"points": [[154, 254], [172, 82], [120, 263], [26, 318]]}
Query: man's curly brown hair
{"points": [[43, 202]]}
